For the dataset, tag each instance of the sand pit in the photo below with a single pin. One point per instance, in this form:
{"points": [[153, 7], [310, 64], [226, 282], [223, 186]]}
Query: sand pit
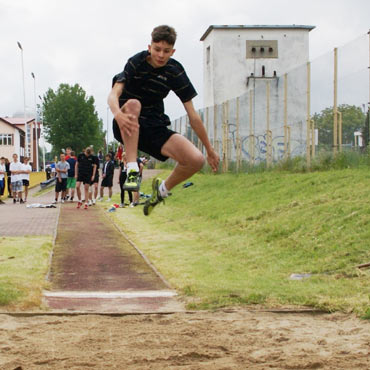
{"points": [[201, 340]]}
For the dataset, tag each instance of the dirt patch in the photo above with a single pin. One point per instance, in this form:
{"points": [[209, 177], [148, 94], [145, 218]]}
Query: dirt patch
{"points": [[201, 340]]}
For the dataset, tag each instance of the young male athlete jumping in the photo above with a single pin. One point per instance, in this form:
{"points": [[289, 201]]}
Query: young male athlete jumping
{"points": [[136, 101]]}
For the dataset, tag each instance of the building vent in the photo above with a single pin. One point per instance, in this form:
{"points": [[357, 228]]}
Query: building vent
{"points": [[258, 49]]}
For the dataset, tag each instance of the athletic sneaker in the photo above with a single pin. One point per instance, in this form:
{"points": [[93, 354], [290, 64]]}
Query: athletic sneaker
{"points": [[108, 200], [71, 200], [62, 201], [79, 204], [94, 202], [132, 182], [120, 206], [155, 198], [90, 203], [21, 201], [14, 200], [86, 206]]}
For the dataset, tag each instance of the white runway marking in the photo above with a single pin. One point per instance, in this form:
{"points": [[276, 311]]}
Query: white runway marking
{"points": [[112, 295]]}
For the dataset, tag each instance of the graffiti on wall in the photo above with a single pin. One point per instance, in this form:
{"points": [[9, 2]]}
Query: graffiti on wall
{"points": [[297, 147]]}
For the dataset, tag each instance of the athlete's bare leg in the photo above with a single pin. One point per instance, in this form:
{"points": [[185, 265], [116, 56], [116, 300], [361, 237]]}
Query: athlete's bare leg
{"points": [[132, 107], [189, 159]]}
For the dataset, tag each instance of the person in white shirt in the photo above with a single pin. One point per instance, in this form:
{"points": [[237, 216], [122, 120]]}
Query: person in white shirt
{"points": [[2, 178], [27, 169], [16, 169]]}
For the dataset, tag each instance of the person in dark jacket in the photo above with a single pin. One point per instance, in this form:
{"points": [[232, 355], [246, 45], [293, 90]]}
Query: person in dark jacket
{"points": [[107, 176]]}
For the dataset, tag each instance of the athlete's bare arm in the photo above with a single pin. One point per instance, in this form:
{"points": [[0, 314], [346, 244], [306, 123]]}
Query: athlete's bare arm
{"points": [[197, 125], [126, 121]]}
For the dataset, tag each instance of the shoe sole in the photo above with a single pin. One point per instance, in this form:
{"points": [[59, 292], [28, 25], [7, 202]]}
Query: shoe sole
{"points": [[148, 208]]}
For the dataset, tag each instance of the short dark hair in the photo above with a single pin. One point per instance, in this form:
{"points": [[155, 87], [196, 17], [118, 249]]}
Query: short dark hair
{"points": [[109, 155], [164, 33]]}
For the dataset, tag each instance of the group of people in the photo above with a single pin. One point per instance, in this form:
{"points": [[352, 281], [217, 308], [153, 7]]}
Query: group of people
{"points": [[140, 123], [16, 176], [85, 171]]}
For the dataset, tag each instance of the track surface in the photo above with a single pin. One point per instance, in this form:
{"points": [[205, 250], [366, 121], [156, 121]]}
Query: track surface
{"points": [[91, 257]]}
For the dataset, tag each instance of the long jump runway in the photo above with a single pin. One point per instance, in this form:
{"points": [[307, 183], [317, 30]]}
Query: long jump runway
{"points": [[95, 269]]}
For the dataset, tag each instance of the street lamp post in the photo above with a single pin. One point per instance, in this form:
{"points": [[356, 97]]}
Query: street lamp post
{"points": [[43, 136], [36, 130], [24, 102]]}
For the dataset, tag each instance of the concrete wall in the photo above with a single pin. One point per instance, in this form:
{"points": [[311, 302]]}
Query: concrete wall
{"points": [[226, 73]]}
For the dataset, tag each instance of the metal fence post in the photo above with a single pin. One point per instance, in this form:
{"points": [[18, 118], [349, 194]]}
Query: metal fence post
{"points": [[268, 132], [238, 143], [251, 133], [313, 149], [335, 106], [286, 116], [340, 139], [308, 119]]}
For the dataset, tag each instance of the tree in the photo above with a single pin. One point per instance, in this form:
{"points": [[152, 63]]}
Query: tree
{"points": [[70, 119], [353, 119]]}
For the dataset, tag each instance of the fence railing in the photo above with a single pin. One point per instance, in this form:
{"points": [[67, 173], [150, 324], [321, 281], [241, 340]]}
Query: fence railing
{"points": [[273, 120]]}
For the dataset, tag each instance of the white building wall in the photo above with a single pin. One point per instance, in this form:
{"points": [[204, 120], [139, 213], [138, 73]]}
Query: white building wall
{"points": [[225, 78], [226, 74]]}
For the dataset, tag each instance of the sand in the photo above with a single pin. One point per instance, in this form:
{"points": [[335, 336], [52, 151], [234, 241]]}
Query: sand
{"points": [[202, 340]]}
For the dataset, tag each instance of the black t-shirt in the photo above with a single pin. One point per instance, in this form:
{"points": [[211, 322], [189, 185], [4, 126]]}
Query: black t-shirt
{"points": [[151, 85], [96, 162], [72, 162], [85, 164]]}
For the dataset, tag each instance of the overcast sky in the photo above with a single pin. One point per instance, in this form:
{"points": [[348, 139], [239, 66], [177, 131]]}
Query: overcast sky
{"points": [[88, 41]]}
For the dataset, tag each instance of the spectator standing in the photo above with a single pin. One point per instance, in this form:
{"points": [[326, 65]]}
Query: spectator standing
{"points": [[68, 153], [137, 193], [122, 179], [48, 172], [84, 173], [27, 169], [52, 166], [16, 169], [107, 177], [61, 169], [93, 192], [101, 159], [2, 178], [71, 180], [8, 178]]}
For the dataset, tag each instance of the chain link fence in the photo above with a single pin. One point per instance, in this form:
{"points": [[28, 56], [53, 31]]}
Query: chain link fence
{"points": [[319, 106]]}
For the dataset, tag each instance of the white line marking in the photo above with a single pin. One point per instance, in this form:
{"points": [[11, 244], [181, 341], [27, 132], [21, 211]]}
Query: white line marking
{"points": [[112, 295]]}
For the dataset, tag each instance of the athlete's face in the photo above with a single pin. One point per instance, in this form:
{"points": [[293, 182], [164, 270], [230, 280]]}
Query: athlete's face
{"points": [[160, 53]]}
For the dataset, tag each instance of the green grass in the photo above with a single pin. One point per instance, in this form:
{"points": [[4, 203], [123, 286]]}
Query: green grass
{"points": [[23, 266], [235, 239]]}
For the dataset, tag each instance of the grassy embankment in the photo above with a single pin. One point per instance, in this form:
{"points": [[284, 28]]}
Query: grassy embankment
{"points": [[236, 239], [23, 267]]}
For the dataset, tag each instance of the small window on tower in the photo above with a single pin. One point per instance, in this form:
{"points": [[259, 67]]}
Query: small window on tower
{"points": [[208, 54]]}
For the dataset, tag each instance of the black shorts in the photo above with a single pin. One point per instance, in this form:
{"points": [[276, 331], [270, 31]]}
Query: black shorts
{"points": [[107, 182], [96, 179], [151, 138], [85, 179], [60, 186], [26, 182]]}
